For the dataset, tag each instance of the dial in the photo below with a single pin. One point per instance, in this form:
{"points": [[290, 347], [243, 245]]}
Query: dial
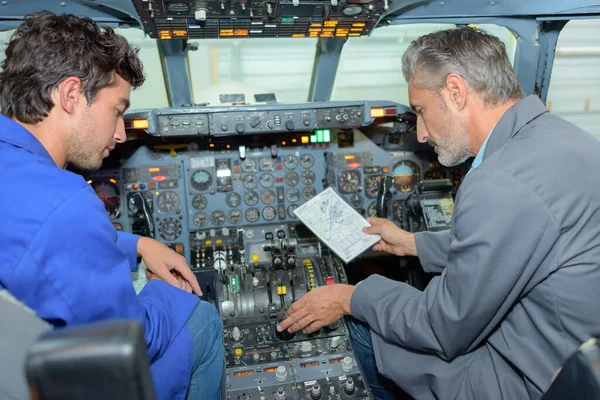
{"points": [[233, 199], [201, 180], [249, 165], [290, 210], [234, 216], [307, 160], [267, 180], [356, 200], [217, 217], [267, 197], [349, 181], [292, 178], [192, 149], [153, 155], [251, 198], [269, 213], [308, 177], [169, 228], [199, 202], [308, 193], [109, 193], [200, 219], [372, 209], [406, 175], [293, 195], [372, 184], [290, 161], [168, 201], [266, 164], [250, 181], [252, 214]]}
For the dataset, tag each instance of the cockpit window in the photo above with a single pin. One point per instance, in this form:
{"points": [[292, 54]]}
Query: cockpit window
{"points": [[371, 67]]}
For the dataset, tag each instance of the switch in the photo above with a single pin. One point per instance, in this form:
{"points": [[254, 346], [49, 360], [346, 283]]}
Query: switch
{"points": [[347, 364], [242, 151], [349, 389], [281, 373]]}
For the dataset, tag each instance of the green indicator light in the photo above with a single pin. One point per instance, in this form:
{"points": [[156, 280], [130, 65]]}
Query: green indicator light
{"points": [[320, 136], [313, 138], [326, 135]]}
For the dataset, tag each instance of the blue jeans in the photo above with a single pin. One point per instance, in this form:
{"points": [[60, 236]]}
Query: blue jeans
{"points": [[208, 363], [381, 387]]}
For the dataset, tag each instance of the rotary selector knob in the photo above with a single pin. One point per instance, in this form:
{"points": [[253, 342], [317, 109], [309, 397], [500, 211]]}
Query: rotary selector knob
{"points": [[315, 391], [347, 364], [280, 394], [289, 125], [349, 389], [239, 128], [281, 373]]}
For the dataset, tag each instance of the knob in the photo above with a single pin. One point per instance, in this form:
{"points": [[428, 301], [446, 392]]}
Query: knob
{"points": [[212, 233], [315, 392], [200, 14], [256, 357], [254, 122], [289, 125], [335, 342], [273, 355], [236, 334], [223, 127], [306, 122], [331, 390], [270, 124], [349, 389], [239, 128], [305, 347], [284, 335], [347, 364], [280, 394], [254, 281], [281, 373]]}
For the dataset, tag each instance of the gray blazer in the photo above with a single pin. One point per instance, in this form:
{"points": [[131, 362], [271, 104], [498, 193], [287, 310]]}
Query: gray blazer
{"points": [[519, 288]]}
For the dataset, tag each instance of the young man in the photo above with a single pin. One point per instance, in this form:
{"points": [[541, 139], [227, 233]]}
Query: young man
{"points": [[64, 87], [520, 267]]}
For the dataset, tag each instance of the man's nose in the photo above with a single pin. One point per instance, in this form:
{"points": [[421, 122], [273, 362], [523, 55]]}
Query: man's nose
{"points": [[422, 134]]}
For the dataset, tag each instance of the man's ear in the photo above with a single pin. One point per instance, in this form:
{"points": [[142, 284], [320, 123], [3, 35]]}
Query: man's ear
{"points": [[457, 88], [69, 94]]}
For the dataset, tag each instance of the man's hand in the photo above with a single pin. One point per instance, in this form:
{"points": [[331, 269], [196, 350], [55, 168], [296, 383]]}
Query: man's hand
{"points": [[319, 307], [181, 283], [166, 264], [393, 239]]}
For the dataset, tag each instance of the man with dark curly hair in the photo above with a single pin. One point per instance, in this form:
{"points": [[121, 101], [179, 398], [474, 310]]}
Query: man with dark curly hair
{"points": [[64, 87]]}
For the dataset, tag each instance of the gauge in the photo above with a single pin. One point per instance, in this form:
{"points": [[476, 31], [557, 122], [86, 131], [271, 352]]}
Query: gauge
{"points": [[136, 202], [352, 10], [153, 155], [292, 195], [249, 165], [233, 199], [192, 149], [200, 219], [406, 175], [252, 214], [269, 213], [292, 178], [372, 184], [349, 181], [372, 209], [168, 201], [290, 210], [308, 177], [267, 180], [169, 228], [201, 180], [434, 174], [109, 193], [234, 216], [217, 217], [250, 181], [266, 164], [290, 161], [307, 160], [267, 197], [251, 198], [308, 193], [118, 226], [397, 210], [356, 200], [199, 202]]}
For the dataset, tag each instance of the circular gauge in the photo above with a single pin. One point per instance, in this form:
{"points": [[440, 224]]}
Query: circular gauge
{"points": [[234, 216], [349, 181], [406, 175], [352, 10], [308, 177], [308, 193], [292, 195], [356, 200], [200, 219], [269, 213], [372, 185], [267, 197], [199, 202], [134, 202], [290, 210], [233, 199], [109, 193], [372, 209], [252, 214], [433, 174], [266, 164], [292, 178], [251, 198], [249, 165], [397, 210], [169, 228], [307, 160], [153, 155], [250, 181], [290, 161], [266, 180], [118, 226], [201, 180], [168, 201], [192, 149], [217, 217]]}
